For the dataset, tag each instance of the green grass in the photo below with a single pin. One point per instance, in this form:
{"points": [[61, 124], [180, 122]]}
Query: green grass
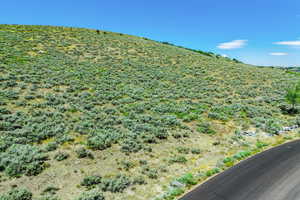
{"points": [[125, 98]]}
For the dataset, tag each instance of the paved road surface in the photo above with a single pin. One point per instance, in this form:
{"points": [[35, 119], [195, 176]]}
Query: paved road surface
{"points": [[271, 175]]}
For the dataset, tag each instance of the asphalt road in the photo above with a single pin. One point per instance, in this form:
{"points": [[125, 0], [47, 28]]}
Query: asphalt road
{"points": [[270, 175]]}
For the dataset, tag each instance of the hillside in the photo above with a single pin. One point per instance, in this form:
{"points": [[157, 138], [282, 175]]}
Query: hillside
{"points": [[81, 109]]}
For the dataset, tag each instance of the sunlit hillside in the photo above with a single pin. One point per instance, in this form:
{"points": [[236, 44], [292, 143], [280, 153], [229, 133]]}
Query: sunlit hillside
{"points": [[85, 111]]}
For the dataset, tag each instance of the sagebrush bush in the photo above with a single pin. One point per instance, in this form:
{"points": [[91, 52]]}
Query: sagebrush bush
{"points": [[126, 164], [22, 159], [117, 184], [17, 194], [150, 172], [100, 141], [61, 156], [48, 197], [94, 194], [195, 151], [178, 159], [130, 145], [183, 150], [50, 190], [91, 180], [205, 127], [139, 180], [83, 153], [51, 146]]}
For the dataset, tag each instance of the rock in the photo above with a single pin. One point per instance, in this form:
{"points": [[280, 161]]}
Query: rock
{"points": [[280, 132], [249, 133], [177, 184]]}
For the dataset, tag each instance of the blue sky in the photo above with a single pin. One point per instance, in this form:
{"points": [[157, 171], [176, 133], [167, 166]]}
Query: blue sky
{"points": [[262, 32]]}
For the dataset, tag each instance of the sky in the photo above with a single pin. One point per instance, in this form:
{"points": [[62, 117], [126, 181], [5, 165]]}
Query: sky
{"points": [[260, 32]]}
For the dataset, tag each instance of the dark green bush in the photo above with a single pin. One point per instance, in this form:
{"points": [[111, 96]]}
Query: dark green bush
{"points": [[212, 172], [143, 162], [188, 179], [50, 190], [195, 151]]}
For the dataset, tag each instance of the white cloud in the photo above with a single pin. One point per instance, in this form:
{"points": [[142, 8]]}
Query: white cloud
{"points": [[278, 54], [295, 43], [224, 55], [235, 44]]}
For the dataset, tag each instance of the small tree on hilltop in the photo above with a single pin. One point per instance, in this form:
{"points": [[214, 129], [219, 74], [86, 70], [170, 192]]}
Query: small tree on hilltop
{"points": [[293, 97]]}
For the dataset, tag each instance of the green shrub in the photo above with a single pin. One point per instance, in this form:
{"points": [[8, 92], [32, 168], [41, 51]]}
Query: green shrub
{"points": [[205, 127], [139, 180], [101, 141], [260, 144], [22, 159], [273, 127], [175, 192], [60, 156], [293, 96], [151, 173], [50, 190], [64, 138], [117, 184], [94, 194], [212, 172], [48, 197], [190, 117], [126, 164], [217, 116], [297, 121], [17, 194], [188, 179], [195, 151], [241, 155], [228, 160], [130, 145], [143, 162], [83, 153], [178, 159], [184, 150], [91, 180], [51, 146]]}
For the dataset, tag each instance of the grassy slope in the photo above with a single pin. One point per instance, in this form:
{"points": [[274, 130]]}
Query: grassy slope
{"points": [[65, 84]]}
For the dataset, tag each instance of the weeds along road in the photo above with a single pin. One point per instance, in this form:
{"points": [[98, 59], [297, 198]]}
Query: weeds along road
{"points": [[270, 175]]}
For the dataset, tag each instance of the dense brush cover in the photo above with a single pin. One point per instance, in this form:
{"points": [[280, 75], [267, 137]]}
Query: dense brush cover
{"points": [[65, 84]]}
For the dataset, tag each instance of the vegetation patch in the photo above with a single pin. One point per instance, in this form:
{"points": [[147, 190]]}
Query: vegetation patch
{"points": [[119, 103], [22, 159]]}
